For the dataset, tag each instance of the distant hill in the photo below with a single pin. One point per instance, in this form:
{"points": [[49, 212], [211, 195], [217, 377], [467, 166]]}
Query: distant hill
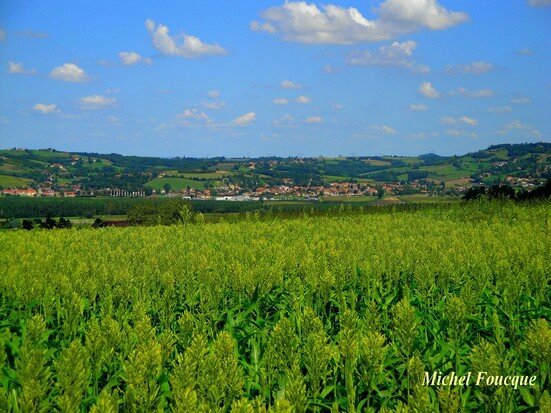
{"points": [[518, 164]]}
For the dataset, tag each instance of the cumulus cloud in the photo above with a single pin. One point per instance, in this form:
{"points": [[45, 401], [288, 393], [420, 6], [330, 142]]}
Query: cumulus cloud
{"points": [[69, 72], [417, 107], [303, 99], [46, 108], [387, 130], [214, 105], [94, 102], [262, 27], [427, 90], [114, 120], [469, 121], [213, 94], [448, 120], [314, 119], [133, 58], [193, 115], [285, 121], [456, 133], [500, 109], [287, 84], [519, 126], [481, 93], [475, 68], [521, 100], [539, 3], [18, 69], [331, 24], [392, 55], [183, 45], [280, 101], [245, 120]]}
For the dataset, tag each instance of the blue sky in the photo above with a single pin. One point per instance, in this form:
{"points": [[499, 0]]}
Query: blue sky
{"points": [[255, 78]]}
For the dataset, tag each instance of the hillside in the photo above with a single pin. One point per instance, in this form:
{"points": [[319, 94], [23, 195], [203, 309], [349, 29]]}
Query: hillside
{"points": [[53, 172]]}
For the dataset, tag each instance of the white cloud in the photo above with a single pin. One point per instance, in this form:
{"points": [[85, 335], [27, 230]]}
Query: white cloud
{"points": [[264, 27], [96, 102], [417, 107], [245, 120], [539, 3], [387, 130], [417, 136], [448, 120], [114, 120], [481, 93], [184, 45], [214, 105], [285, 121], [469, 121], [521, 100], [426, 89], [332, 24], [337, 106], [475, 68], [314, 119], [303, 99], [45, 108], [280, 101], [392, 55], [525, 52], [194, 114], [213, 94], [518, 125], [461, 133], [500, 109], [69, 72], [287, 84], [133, 58], [18, 69], [193, 117]]}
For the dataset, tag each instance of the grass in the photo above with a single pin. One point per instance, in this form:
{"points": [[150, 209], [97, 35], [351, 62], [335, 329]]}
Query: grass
{"points": [[423, 198], [358, 198], [7, 181], [176, 184], [334, 178], [199, 175]]}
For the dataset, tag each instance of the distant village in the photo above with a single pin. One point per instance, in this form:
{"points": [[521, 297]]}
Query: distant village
{"points": [[286, 188], [286, 191]]}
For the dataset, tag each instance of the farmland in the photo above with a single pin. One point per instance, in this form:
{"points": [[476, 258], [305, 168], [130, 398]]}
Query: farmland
{"points": [[91, 174], [341, 312]]}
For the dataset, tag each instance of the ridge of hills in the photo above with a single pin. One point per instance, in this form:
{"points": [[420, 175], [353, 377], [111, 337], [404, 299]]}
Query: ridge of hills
{"points": [[520, 165]]}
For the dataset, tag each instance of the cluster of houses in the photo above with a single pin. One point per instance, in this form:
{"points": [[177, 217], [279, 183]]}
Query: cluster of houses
{"points": [[31, 192], [230, 192], [287, 191], [523, 182]]}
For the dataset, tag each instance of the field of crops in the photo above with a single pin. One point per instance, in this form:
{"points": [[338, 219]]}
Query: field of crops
{"points": [[316, 313]]}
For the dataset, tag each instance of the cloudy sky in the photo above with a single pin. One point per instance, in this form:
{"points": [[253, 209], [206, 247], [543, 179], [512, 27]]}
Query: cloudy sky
{"points": [[255, 78]]}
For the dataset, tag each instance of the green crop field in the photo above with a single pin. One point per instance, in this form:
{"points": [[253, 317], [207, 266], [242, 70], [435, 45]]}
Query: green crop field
{"points": [[314, 313], [175, 183], [14, 182]]}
